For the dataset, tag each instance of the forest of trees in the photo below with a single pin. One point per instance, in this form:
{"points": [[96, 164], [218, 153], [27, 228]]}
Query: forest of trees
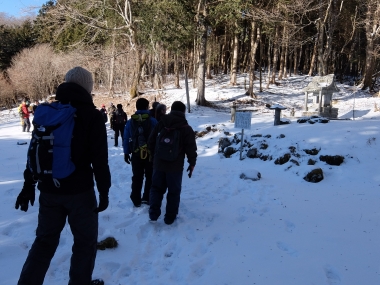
{"points": [[129, 44]]}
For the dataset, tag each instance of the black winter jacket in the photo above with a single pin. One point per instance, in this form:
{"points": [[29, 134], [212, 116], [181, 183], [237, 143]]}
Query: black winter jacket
{"points": [[115, 117], [175, 119], [89, 149]]}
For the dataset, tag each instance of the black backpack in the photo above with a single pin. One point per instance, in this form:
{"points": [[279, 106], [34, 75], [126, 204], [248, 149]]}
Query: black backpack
{"points": [[141, 129], [168, 144], [119, 117]]}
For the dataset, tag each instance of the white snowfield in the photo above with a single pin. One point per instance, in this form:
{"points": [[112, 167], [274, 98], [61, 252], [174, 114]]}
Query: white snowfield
{"points": [[278, 230]]}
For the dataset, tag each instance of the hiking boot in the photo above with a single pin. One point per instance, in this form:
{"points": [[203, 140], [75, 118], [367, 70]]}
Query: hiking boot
{"points": [[169, 220], [97, 282], [146, 202], [137, 205]]}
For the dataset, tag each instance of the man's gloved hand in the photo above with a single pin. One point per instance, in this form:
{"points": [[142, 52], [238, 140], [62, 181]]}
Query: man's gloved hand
{"points": [[103, 203], [190, 169], [127, 158], [26, 195]]}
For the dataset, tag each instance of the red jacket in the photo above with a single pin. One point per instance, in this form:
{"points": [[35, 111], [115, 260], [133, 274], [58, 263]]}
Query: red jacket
{"points": [[25, 111]]}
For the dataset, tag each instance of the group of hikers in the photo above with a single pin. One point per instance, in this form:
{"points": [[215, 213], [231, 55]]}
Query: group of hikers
{"points": [[118, 117], [155, 144]]}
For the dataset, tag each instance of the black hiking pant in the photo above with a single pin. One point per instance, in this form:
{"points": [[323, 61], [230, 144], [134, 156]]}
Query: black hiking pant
{"points": [[141, 168], [172, 181], [54, 209], [118, 129]]}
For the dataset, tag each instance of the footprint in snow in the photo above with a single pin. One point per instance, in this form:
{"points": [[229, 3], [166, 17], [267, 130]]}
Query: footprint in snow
{"points": [[199, 268], [111, 267], [284, 247], [289, 226], [200, 250], [332, 275], [214, 239], [124, 271]]}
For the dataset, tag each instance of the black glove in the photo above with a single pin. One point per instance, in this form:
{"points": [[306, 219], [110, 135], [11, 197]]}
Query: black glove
{"points": [[190, 169], [26, 195], [127, 158], [103, 203]]}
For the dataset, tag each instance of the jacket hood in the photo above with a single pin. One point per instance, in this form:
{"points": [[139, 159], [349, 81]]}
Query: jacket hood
{"points": [[73, 93], [175, 119]]}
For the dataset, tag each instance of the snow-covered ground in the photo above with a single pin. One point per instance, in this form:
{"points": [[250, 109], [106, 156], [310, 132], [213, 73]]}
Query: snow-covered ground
{"points": [[278, 230]]}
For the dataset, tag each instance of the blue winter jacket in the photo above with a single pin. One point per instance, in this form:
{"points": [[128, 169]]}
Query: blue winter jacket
{"points": [[128, 130]]}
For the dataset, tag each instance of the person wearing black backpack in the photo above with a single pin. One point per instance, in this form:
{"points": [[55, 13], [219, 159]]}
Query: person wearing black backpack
{"points": [[170, 141], [119, 119], [136, 134], [71, 198]]}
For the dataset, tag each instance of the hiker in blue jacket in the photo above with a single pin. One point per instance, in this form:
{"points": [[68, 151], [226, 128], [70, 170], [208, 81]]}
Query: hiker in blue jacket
{"points": [[136, 134], [73, 197]]}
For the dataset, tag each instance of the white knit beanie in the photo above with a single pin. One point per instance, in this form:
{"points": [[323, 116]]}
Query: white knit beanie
{"points": [[81, 77]]}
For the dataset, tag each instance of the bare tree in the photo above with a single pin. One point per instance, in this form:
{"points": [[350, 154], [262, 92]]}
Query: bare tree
{"points": [[37, 71], [372, 33]]}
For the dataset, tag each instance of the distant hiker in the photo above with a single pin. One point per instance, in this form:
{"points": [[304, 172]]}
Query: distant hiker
{"points": [[160, 111], [152, 111], [21, 114], [103, 111], [136, 134], [71, 198], [110, 110], [169, 142], [119, 119], [25, 113]]}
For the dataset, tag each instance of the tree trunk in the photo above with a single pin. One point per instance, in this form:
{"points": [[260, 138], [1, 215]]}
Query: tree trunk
{"points": [[176, 71], [195, 63], [275, 56], [306, 62], [209, 62], [282, 56], [166, 69], [255, 40], [320, 47], [112, 68], [369, 59], [333, 19], [234, 60], [157, 82], [295, 63], [201, 100], [269, 64], [372, 27], [313, 57], [140, 60], [226, 54], [286, 57]]}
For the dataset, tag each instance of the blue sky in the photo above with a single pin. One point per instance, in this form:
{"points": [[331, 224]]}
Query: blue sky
{"points": [[18, 8]]}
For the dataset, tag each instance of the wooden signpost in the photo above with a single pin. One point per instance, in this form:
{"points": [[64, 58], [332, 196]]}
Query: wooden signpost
{"points": [[243, 121]]}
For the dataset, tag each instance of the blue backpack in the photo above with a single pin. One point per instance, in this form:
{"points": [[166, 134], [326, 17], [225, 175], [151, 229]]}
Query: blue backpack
{"points": [[49, 153]]}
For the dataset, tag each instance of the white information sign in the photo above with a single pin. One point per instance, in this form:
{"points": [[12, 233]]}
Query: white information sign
{"points": [[243, 120]]}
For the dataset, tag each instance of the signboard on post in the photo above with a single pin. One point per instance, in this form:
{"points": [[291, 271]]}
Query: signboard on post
{"points": [[243, 121]]}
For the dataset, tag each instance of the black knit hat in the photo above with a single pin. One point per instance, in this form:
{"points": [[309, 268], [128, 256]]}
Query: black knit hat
{"points": [[178, 106]]}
